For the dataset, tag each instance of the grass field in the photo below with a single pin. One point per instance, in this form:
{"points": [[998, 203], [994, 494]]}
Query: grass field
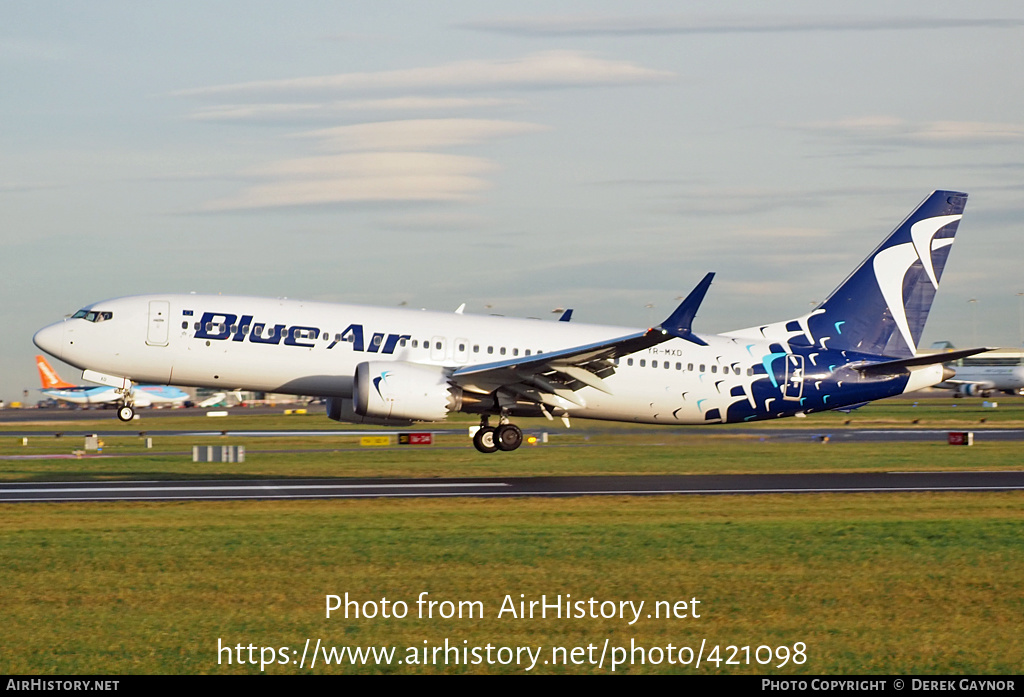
{"points": [[895, 583]]}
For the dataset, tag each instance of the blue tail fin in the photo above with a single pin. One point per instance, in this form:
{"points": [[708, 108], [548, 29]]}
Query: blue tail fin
{"points": [[882, 306]]}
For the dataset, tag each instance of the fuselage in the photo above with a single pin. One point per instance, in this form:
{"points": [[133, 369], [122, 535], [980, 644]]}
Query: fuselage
{"points": [[311, 348]]}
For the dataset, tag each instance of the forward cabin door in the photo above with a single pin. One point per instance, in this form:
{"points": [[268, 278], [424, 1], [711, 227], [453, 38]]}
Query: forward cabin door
{"points": [[159, 322]]}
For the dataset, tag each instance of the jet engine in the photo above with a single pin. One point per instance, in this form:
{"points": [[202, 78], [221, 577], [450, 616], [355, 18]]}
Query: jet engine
{"points": [[400, 390], [976, 389], [340, 409]]}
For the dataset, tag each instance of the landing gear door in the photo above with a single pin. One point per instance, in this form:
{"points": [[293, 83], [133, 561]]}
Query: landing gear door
{"points": [[159, 322], [793, 387]]}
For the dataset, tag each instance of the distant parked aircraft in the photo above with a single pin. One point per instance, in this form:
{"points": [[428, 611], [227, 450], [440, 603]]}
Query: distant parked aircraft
{"points": [[145, 395]]}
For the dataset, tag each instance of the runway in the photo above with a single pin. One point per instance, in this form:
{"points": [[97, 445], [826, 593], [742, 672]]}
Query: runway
{"points": [[269, 489], [852, 435]]}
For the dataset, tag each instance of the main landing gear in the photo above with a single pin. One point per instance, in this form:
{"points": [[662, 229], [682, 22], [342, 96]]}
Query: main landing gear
{"points": [[505, 436]]}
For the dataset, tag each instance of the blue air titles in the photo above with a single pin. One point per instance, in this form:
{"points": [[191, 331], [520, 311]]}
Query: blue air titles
{"points": [[224, 326]]}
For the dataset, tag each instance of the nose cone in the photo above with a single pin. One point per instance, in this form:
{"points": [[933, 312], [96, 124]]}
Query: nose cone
{"points": [[51, 339]]}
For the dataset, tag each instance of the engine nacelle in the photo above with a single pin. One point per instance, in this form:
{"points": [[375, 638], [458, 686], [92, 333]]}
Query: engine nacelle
{"points": [[976, 390], [341, 409], [400, 390]]}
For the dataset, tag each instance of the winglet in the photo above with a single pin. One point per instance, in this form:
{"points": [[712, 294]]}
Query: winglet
{"points": [[566, 316], [679, 323]]}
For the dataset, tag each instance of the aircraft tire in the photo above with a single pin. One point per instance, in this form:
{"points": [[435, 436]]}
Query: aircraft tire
{"points": [[125, 413], [508, 437], [484, 441]]}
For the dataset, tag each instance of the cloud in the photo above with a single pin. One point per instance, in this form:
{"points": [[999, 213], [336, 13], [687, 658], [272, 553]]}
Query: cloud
{"points": [[376, 164], [558, 26], [325, 110], [361, 177], [395, 160], [26, 188], [892, 130], [353, 189], [418, 134], [539, 70]]}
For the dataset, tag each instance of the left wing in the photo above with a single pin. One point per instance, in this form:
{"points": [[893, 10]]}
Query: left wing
{"points": [[553, 378]]}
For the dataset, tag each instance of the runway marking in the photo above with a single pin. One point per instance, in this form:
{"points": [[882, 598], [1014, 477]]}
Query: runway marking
{"points": [[495, 494], [244, 487]]}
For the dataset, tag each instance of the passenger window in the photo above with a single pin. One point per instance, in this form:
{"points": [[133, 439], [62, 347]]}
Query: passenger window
{"points": [[184, 325], [654, 364], [462, 347], [437, 345], [702, 367], [490, 349], [689, 366], [515, 352], [476, 348], [415, 343], [714, 369], [679, 366], [528, 353], [629, 361], [643, 362], [502, 352]]}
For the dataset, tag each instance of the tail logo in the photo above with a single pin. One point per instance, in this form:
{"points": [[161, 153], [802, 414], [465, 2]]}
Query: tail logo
{"points": [[892, 264], [48, 376]]}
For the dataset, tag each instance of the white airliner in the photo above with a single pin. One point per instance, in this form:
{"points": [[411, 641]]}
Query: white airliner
{"points": [[396, 366], [983, 380]]}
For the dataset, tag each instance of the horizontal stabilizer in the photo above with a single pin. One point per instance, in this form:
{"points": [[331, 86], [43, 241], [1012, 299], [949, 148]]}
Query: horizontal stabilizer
{"points": [[901, 363]]}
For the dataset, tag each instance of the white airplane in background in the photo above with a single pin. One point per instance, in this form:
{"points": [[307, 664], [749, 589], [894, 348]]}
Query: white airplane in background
{"points": [[983, 380], [144, 395], [393, 367]]}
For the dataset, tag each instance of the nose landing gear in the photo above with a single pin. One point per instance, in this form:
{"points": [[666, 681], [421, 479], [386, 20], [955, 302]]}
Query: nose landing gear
{"points": [[126, 410]]}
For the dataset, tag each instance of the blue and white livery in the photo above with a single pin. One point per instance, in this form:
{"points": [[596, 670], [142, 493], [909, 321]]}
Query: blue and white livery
{"points": [[397, 366]]}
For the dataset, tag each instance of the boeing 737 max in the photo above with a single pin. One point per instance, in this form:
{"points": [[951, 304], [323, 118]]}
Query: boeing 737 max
{"points": [[396, 366]]}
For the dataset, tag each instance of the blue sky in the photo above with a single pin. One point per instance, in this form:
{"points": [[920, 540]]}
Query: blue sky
{"points": [[517, 157]]}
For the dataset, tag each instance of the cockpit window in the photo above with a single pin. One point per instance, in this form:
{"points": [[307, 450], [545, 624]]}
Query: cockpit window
{"points": [[93, 315]]}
